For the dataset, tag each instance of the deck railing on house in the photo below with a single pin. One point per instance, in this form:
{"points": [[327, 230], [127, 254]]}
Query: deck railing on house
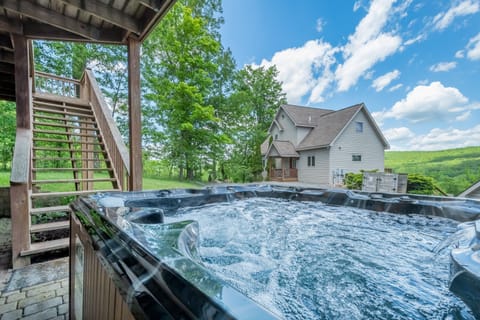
{"points": [[114, 143], [53, 84], [283, 174]]}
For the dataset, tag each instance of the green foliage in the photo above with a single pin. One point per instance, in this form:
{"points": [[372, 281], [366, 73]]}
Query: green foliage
{"points": [[354, 180], [7, 134], [420, 184], [453, 170], [256, 98]]}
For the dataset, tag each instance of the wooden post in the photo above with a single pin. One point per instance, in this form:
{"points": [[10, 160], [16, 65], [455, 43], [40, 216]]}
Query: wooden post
{"points": [[20, 178], [134, 115]]}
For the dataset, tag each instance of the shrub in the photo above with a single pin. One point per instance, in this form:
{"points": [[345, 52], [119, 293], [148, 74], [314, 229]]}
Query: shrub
{"points": [[420, 184], [354, 180]]}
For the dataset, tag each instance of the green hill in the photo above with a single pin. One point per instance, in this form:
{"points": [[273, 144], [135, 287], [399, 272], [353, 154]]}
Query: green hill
{"points": [[454, 170]]}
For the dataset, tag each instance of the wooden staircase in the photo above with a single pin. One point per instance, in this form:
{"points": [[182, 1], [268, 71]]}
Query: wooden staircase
{"points": [[74, 150]]}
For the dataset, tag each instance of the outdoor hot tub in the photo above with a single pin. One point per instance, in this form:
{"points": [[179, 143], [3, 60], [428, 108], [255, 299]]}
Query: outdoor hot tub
{"points": [[267, 252]]}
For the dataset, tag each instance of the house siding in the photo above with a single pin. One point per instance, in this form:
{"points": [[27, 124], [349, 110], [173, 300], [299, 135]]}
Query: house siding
{"points": [[289, 132], [301, 134], [318, 174], [366, 143]]}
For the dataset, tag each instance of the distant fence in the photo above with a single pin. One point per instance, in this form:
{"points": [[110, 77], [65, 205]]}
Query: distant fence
{"points": [[384, 182]]}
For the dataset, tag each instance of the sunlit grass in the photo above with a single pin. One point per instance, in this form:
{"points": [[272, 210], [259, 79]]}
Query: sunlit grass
{"points": [[148, 183]]}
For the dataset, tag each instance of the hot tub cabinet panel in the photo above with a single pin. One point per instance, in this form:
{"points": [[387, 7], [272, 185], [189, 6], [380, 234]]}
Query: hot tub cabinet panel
{"points": [[114, 275], [93, 294]]}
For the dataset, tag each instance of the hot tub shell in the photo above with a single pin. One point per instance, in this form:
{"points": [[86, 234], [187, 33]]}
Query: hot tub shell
{"points": [[114, 276]]}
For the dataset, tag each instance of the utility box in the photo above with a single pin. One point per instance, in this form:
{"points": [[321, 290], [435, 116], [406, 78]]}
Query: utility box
{"points": [[384, 182]]}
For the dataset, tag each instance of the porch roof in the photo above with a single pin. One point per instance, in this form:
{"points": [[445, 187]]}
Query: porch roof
{"points": [[95, 21], [282, 149]]}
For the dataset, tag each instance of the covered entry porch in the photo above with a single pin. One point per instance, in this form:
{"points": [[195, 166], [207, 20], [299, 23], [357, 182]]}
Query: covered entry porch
{"points": [[280, 161]]}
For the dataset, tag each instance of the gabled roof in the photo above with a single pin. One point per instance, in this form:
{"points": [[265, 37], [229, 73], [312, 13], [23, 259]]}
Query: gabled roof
{"points": [[282, 149], [304, 116], [327, 125]]}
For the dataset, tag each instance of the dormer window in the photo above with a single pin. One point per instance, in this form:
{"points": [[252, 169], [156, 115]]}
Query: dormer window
{"points": [[359, 126]]}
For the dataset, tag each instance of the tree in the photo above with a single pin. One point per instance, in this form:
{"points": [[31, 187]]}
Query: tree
{"points": [[7, 134], [256, 98], [181, 65]]}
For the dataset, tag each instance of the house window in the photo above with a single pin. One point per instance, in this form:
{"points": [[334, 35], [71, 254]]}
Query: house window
{"points": [[359, 126], [276, 137], [311, 161], [356, 157]]}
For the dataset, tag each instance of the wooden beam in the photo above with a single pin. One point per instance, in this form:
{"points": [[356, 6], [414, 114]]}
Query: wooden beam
{"points": [[19, 186], [134, 115], [107, 13], [22, 85], [52, 17], [6, 57], [10, 25], [155, 5], [6, 43], [7, 68]]}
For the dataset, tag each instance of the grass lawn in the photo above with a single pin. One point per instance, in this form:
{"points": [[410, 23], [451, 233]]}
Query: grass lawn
{"points": [[148, 183]]}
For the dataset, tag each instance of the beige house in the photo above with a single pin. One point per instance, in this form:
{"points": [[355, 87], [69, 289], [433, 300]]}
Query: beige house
{"points": [[319, 146]]}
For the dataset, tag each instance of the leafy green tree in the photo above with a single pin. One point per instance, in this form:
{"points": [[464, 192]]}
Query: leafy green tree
{"points": [[257, 95], [181, 63], [7, 134]]}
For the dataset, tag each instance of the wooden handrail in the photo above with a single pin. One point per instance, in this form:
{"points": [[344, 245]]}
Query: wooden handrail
{"points": [[50, 83], [114, 143]]}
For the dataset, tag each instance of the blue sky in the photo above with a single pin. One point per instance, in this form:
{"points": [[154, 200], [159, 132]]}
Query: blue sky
{"points": [[414, 63]]}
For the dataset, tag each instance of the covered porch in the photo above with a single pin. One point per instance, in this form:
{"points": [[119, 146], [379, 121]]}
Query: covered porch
{"points": [[280, 159]]}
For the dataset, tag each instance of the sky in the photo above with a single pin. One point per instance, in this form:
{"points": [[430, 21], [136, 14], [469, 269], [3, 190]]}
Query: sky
{"points": [[414, 63]]}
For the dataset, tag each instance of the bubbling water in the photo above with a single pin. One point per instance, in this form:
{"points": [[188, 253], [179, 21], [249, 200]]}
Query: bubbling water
{"points": [[306, 260]]}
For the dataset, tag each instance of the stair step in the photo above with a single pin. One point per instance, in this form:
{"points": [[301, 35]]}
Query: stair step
{"points": [[60, 125], [41, 116], [35, 211], [66, 141], [46, 246], [51, 226], [56, 99], [69, 193], [66, 149], [71, 169], [67, 159], [72, 180], [63, 106], [64, 133], [76, 114]]}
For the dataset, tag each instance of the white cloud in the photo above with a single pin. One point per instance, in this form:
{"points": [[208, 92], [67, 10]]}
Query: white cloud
{"points": [[464, 116], [383, 81], [443, 66], [473, 48], [466, 7], [460, 54], [367, 46], [418, 38], [438, 139], [320, 24], [364, 58], [398, 134], [395, 87], [357, 5], [304, 69], [431, 102]]}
